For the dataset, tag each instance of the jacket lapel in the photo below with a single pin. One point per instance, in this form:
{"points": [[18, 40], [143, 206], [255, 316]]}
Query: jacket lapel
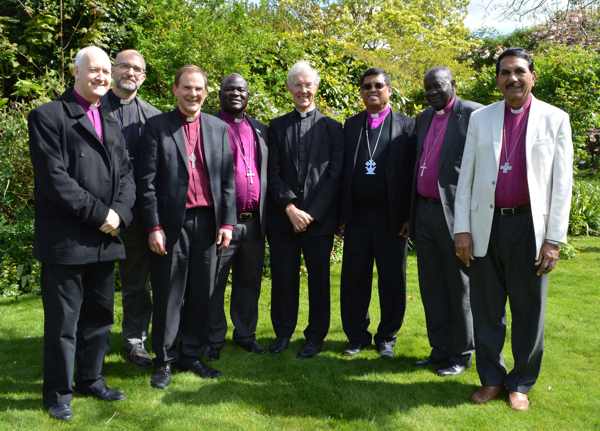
{"points": [[179, 137], [359, 128], [533, 125], [497, 125], [453, 121], [395, 133], [291, 142], [316, 136], [207, 131], [427, 119]]}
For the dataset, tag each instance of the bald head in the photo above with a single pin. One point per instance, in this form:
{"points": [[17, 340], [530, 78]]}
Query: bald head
{"points": [[129, 53], [92, 73], [439, 87], [129, 73], [441, 71], [233, 95]]}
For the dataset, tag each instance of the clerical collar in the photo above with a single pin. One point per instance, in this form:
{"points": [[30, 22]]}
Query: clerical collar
{"points": [[521, 109], [380, 114], [307, 114], [446, 108], [85, 104], [230, 118], [121, 101], [184, 117]]}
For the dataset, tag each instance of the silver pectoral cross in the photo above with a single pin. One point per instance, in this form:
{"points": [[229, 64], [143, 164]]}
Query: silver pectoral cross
{"points": [[250, 174], [370, 167], [193, 159], [505, 168], [423, 169]]}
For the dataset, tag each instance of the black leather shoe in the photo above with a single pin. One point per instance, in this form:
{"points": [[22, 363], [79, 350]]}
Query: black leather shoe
{"points": [[354, 348], [253, 347], [385, 351], [428, 361], [212, 353], [63, 413], [309, 350], [162, 377], [452, 369], [279, 345], [139, 357], [201, 369], [105, 394]]}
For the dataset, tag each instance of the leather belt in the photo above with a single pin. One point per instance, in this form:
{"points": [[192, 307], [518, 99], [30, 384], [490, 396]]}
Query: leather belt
{"points": [[432, 200], [512, 211], [246, 216]]}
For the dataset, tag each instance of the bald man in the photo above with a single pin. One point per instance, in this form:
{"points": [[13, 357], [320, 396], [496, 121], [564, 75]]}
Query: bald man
{"points": [[83, 191], [246, 251], [131, 112], [443, 279]]}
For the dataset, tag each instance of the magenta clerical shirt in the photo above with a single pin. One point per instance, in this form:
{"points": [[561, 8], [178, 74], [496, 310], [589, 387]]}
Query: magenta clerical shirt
{"points": [[244, 147], [512, 189], [375, 120], [93, 114], [427, 183]]}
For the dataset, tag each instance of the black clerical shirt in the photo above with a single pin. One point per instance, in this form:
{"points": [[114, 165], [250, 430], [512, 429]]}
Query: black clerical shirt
{"points": [[303, 136]]}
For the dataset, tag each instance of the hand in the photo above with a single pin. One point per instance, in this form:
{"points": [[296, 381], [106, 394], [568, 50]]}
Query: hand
{"points": [[464, 248], [404, 230], [547, 259], [112, 222], [157, 241], [300, 219], [223, 238]]}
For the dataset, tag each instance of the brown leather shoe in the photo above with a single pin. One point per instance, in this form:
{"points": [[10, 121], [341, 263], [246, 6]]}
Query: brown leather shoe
{"points": [[487, 393], [139, 358], [517, 401]]}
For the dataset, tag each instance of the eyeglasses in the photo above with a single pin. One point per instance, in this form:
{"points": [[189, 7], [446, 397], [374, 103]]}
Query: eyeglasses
{"points": [[378, 85], [124, 67], [299, 86]]}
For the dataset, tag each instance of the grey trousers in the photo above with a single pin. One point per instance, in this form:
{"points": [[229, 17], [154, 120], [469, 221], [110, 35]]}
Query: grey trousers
{"points": [[444, 285], [508, 271]]}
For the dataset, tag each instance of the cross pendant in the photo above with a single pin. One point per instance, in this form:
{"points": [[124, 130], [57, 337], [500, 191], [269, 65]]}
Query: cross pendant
{"points": [[423, 169], [505, 167], [193, 159], [250, 174]]}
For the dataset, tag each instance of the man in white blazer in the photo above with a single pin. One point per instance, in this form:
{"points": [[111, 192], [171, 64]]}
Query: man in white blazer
{"points": [[511, 215]]}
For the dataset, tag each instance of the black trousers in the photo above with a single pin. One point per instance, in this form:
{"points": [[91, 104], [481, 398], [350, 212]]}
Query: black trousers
{"points": [[182, 283], [508, 271], [367, 239], [285, 277], [444, 285], [134, 272], [245, 257], [78, 315]]}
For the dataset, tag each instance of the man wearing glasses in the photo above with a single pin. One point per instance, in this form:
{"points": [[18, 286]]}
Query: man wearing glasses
{"points": [[306, 156], [375, 205], [131, 112]]}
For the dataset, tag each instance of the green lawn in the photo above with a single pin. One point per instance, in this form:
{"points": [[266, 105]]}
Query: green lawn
{"points": [[329, 391]]}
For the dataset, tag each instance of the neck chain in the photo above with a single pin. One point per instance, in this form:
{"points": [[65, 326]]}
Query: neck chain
{"points": [[429, 148], [192, 158], [240, 147], [506, 166], [371, 165], [126, 135]]}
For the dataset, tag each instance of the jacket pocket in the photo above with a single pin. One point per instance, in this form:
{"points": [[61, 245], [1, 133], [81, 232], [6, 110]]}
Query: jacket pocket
{"points": [[473, 206]]}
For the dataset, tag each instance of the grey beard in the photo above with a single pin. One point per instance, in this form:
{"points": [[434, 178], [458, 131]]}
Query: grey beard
{"points": [[124, 89]]}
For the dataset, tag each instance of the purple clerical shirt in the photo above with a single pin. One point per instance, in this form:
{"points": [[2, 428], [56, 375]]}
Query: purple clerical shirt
{"points": [[246, 162], [427, 177], [512, 189], [93, 114], [375, 120]]}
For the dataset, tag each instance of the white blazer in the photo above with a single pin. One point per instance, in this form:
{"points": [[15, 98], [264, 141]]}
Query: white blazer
{"points": [[549, 155]]}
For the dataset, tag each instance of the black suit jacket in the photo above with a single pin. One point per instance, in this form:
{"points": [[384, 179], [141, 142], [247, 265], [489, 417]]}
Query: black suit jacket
{"points": [[399, 167], [77, 180], [451, 154], [163, 173], [262, 132], [323, 178]]}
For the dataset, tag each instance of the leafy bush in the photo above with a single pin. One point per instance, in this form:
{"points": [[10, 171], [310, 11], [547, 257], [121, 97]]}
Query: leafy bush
{"points": [[585, 208]]}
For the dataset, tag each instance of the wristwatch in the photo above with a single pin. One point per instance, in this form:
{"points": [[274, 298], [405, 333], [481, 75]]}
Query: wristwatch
{"points": [[555, 243]]}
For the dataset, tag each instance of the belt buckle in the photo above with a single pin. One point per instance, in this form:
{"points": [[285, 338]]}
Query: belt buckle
{"points": [[507, 211], [245, 216]]}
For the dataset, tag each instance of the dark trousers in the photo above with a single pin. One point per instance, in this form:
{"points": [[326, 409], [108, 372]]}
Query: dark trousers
{"points": [[182, 283], [444, 284], [368, 238], [245, 257], [78, 314], [285, 250], [134, 272], [508, 271]]}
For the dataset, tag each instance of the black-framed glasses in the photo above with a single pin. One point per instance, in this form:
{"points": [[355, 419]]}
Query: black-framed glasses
{"points": [[124, 67], [378, 85]]}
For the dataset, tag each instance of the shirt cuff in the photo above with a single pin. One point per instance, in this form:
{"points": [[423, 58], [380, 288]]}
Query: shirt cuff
{"points": [[154, 229], [227, 227]]}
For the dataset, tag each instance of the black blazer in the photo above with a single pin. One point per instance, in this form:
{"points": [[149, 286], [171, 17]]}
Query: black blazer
{"points": [[323, 178], [399, 167], [262, 132], [450, 157], [77, 180], [163, 173]]}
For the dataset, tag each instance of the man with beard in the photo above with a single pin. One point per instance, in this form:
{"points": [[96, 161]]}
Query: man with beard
{"points": [[131, 113], [246, 251], [443, 279]]}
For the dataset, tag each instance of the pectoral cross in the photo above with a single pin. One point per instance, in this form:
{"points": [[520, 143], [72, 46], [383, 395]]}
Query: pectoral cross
{"points": [[250, 174], [370, 167], [505, 168], [423, 169], [193, 159]]}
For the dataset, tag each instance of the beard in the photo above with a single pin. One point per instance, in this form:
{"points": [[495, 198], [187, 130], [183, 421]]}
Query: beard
{"points": [[127, 87]]}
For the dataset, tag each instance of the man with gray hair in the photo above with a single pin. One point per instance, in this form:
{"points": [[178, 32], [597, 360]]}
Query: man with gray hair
{"points": [[131, 112], [306, 157]]}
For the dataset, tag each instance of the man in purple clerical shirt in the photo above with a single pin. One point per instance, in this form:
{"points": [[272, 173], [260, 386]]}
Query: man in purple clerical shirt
{"points": [[443, 280], [246, 251], [511, 215]]}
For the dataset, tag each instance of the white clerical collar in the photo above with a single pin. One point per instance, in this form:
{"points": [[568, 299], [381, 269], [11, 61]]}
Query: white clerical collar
{"points": [[126, 102], [190, 119], [375, 115], [96, 106], [440, 112], [307, 113], [238, 120], [517, 111]]}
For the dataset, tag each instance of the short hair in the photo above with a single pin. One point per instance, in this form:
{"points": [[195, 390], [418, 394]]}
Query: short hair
{"points": [[131, 51], [83, 51], [190, 68], [299, 67], [516, 52], [376, 71]]}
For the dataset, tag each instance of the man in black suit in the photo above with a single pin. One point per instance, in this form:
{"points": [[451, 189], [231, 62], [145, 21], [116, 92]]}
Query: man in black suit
{"points": [[305, 170], [187, 201], [246, 251], [83, 192], [443, 279], [131, 112], [379, 155]]}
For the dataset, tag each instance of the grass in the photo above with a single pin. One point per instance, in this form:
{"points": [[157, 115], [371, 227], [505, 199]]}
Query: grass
{"points": [[329, 391]]}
